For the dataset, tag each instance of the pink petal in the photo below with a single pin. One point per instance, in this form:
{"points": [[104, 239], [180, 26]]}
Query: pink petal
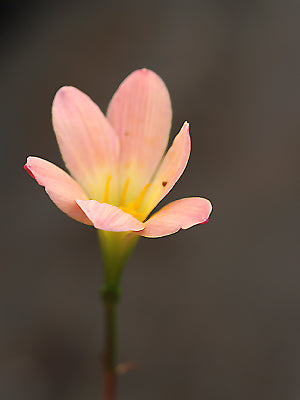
{"points": [[140, 112], [61, 188], [170, 170], [180, 214], [109, 218], [87, 141]]}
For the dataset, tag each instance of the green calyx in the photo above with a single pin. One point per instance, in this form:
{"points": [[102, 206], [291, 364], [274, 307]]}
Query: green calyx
{"points": [[116, 248]]}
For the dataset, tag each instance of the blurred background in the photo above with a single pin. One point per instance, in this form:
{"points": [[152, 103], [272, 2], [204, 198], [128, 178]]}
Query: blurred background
{"points": [[210, 313]]}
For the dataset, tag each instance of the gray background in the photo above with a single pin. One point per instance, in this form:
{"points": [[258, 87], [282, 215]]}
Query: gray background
{"points": [[210, 313]]}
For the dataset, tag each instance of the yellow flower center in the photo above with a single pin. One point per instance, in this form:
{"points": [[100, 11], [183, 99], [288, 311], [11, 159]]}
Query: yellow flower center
{"points": [[133, 206]]}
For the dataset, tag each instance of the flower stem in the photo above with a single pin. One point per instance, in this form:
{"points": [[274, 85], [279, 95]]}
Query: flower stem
{"points": [[116, 247], [110, 298]]}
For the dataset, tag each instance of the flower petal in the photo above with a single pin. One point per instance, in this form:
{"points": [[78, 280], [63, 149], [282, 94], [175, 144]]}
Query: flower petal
{"points": [[140, 112], [180, 214], [61, 188], [109, 218], [170, 170], [88, 143]]}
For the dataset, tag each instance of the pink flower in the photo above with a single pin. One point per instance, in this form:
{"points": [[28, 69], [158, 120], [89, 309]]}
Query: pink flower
{"points": [[118, 167]]}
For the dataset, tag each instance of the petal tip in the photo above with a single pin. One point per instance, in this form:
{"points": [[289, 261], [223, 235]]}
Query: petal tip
{"points": [[145, 73], [185, 130], [28, 170], [64, 93], [145, 70]]}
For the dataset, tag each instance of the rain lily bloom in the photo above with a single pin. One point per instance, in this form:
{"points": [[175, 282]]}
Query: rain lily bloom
{"points": [[119, 173], [118, 166]]}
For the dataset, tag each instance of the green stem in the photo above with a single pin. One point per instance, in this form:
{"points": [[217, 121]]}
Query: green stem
{"points": [[115, 248], [110, 300]]}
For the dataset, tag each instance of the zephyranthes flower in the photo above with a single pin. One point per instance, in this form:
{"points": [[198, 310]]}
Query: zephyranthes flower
{"points": [[120, 172], [119, 168]]}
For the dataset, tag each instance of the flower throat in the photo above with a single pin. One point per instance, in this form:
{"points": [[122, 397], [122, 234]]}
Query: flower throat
{"points": [[133, 206]]}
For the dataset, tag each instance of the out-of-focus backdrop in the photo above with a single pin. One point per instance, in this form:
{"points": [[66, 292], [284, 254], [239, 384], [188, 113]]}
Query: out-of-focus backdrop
{"points": [[210, 313]]}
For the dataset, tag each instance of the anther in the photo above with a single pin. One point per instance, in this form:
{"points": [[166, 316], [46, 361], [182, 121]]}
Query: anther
{"points": [[106, 191], [124, 192], [141, 196]]}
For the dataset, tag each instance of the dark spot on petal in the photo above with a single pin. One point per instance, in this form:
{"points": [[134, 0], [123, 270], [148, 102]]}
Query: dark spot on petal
{"points": [[126, 133], [164, 183]]}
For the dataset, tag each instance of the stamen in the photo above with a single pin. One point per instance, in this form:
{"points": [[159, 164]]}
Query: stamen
{"points": [[124, 192], [141, 196], [106, 192]]}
